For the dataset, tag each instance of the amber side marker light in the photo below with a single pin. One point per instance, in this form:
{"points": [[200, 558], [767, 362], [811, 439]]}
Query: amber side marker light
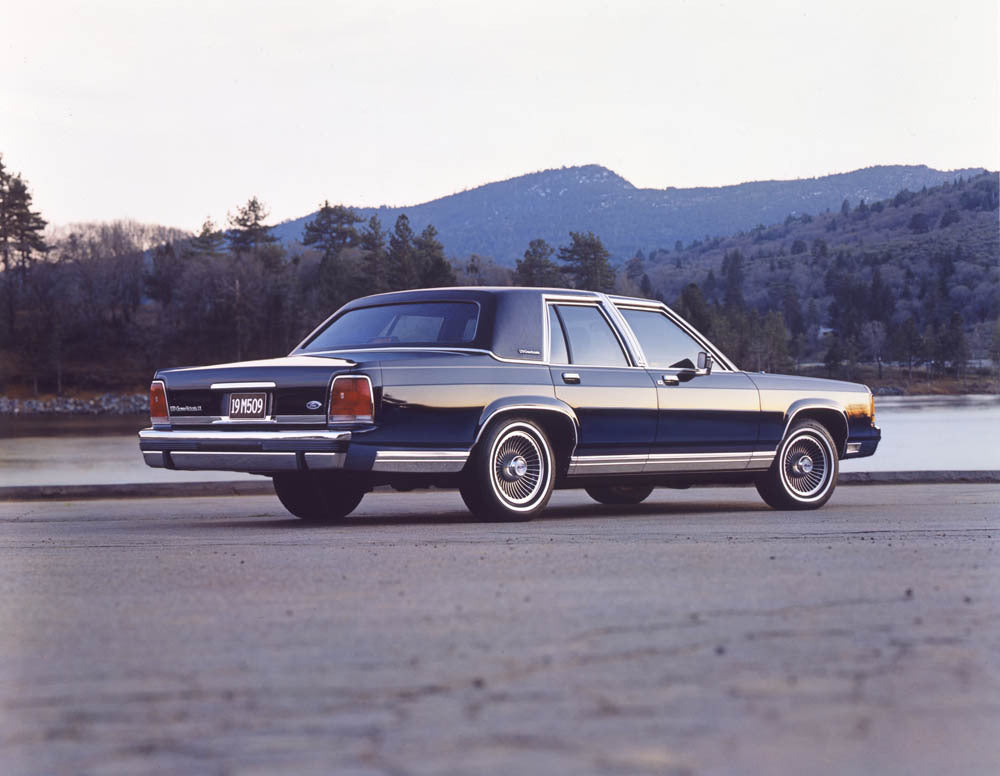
{"points": [[871, 406], [158, 413], [351, 400]]}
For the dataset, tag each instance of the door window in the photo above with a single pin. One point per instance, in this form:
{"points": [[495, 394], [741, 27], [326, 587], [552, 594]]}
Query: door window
{"points": [[666, 345], [589, 337], [558, 352]]}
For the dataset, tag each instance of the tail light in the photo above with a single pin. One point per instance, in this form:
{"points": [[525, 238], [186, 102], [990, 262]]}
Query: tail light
{"points": [[158, 412], [351, 400]]}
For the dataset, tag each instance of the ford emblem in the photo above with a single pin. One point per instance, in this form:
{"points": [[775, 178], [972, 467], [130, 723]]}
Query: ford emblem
{"points": [[313, 405]]}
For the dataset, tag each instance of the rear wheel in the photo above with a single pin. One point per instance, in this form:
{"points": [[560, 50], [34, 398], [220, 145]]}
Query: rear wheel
{"points": [[510, 475], [620, 494], [317, 498], [804, 472]]}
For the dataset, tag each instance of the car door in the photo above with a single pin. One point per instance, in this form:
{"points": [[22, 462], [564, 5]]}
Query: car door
{"points": [[706, 422], [614, 400]]}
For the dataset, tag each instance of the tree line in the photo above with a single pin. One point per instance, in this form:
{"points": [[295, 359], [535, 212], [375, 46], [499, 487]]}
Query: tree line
{"points": [[102, 305]]}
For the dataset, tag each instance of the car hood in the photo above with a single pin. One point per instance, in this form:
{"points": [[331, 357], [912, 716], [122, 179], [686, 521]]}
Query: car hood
{"points": [[770, 382]]}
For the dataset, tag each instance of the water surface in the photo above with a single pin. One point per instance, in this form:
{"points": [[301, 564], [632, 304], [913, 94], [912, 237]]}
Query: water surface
{"points": [[918, 434]]}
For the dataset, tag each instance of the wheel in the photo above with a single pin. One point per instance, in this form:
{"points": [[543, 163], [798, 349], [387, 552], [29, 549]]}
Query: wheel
{"points": [[317, 498], [510, 475], [620, 494], [804, 472]]}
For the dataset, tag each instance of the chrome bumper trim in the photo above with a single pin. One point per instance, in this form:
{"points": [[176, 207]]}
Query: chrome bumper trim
{"points": [[222, 420], [189, 460], [173, 450], [209, 436], [420, 461]]}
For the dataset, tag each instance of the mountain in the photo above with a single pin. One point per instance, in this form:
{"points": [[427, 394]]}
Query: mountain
{"points": [[500, 219]]}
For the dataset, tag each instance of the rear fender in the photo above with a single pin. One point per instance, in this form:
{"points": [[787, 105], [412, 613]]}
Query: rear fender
{"points": [[556, 415]]}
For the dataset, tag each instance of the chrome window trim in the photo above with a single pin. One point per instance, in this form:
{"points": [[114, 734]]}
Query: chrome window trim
{"points": [[719, 357], [639, 355], [595, 303]]}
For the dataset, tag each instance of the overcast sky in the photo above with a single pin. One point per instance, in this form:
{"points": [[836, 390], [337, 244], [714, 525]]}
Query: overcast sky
{"points": [[169, 112]]}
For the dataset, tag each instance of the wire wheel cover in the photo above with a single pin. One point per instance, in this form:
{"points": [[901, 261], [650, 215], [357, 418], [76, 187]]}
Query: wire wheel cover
{"points": [[518, 467], [806, 466]]}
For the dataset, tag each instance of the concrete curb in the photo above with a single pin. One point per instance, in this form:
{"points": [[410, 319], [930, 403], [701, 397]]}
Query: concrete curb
{"points": [[264, 488]]}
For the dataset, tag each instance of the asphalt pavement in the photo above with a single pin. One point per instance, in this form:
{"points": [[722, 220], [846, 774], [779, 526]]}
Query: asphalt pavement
{"points": [[699, 633]]}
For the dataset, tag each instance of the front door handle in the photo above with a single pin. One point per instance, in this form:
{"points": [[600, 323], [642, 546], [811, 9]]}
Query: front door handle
{"points": [[571, 377], [671, 380]]}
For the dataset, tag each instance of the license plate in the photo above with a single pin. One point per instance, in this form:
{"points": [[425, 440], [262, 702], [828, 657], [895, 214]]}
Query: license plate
{"points": [[247, 406]]}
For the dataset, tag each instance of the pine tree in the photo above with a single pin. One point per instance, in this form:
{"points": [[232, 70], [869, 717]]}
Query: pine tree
{"points": [[247, 231], [433, 268], [636, 267], [537, 267], [331, 230], [372, 242], [587, 262], [21, 240], [695, 309], [209, 240], [732, 271], [401, 270]]}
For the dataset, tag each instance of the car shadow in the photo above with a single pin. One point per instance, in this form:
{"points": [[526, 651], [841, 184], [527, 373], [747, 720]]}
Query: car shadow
{"points": [[665, 509]]}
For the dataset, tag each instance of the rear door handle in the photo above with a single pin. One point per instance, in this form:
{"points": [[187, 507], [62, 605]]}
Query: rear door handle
{"points": [[671, 380], [570, 377]]}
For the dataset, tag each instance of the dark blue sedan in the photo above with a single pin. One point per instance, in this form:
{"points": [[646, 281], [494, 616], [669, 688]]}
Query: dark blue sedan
{"points": [[507, 393]]}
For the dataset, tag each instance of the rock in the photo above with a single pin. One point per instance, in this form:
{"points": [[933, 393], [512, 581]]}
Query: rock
{"points": [[105, 404]]}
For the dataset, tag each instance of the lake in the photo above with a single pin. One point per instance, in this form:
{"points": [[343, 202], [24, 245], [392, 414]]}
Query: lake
{"points": [[920, 433]]}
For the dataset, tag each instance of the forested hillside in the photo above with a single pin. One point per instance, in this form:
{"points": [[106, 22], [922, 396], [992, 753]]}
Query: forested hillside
{"points": [[911, 279], [498, 220]]}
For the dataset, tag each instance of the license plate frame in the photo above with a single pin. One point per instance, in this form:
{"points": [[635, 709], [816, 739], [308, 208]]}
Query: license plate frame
{"points": [[248, 405]]}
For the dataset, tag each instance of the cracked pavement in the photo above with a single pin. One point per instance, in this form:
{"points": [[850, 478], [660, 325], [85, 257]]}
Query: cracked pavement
{"points": [[698, 633]]}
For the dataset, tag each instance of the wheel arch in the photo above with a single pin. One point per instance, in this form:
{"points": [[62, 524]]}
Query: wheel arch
{"points": [[556, 418], [828, 413]]}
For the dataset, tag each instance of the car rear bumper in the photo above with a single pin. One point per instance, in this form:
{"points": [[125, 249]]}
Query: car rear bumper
{"points": [[261, 452], [268, 452]]}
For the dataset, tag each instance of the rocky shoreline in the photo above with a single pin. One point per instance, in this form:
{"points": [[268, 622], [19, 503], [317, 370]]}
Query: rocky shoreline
{"points": [[105, 404]]}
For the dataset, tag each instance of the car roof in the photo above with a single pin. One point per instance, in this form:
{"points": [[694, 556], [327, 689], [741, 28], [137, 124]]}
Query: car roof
{"points": [[502, 290]]}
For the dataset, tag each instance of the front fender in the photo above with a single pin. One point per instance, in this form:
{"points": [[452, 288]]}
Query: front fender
{"points": [[796, 408]]}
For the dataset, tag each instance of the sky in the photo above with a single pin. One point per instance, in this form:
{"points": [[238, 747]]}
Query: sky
{"points": [[171, 112]]}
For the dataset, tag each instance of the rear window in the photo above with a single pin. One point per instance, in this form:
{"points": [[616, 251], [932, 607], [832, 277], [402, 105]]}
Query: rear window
{"points": [[413, 323]]}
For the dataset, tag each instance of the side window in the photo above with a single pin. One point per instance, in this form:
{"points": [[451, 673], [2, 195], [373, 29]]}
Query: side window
{"points": [[558, 352], [589, 337], [667, 345]]}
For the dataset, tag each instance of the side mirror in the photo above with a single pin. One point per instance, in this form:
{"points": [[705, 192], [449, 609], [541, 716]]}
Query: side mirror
{"points": [[704, 363]]}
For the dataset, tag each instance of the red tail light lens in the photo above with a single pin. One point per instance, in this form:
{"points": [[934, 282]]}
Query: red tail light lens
{"points": [[158, 413], [351, 400]]}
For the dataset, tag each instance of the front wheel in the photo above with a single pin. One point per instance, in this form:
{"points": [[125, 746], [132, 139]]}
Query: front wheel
{"points": [[318, 498], [620, 494], [804, 472], [510, 475]]}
